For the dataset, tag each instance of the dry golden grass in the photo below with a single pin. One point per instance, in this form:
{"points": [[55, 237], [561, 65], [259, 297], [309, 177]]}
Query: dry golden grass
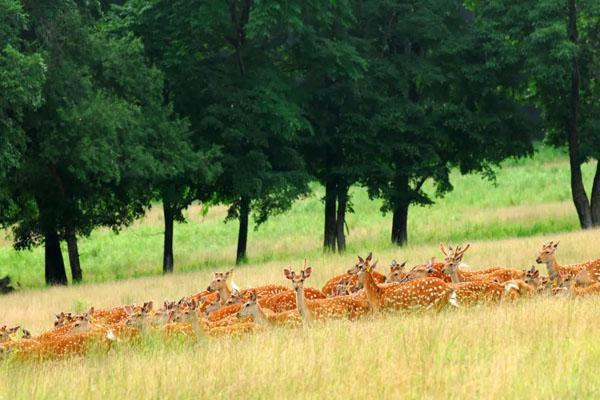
{"points": [[541, 348]]}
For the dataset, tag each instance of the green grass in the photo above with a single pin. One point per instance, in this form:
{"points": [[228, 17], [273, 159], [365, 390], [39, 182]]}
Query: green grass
{"points": [[530, 196]]}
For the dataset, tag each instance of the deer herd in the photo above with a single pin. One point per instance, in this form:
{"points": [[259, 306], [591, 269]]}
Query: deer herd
{"points": [[224, 309]]}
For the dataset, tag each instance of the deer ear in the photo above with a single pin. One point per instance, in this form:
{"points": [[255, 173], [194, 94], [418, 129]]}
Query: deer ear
{"points": [[403, 264], [253, 296], [555, 245], [90, 311], [306, 273], [361, 259], [370, 256], [374, 264], [288, 274], [536, 274]]}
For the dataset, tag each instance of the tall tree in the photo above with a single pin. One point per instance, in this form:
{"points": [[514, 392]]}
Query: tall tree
{"points": [[21, 79], [224, 64], [560, 43], [441, 97], [328, 64], [85, 144]]}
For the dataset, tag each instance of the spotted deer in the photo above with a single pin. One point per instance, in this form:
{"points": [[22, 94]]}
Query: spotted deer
{"points": [[424, 293], [453, 260], [331, 307], [286, 301], [540, 284], [219, 284], [329, 289], [266, 317], [397, 272], [264, 291], [517, 288], [429, 270], [546, 256], [569, 285]]}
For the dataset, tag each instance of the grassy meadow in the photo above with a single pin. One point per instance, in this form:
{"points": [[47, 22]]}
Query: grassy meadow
{"points": [[543, 348]]}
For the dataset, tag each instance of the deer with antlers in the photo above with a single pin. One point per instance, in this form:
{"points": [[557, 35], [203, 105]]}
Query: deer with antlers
{"points": [[453, 260], [424, 293], [332, 307]]}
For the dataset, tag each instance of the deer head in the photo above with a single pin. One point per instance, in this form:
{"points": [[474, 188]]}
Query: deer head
{"points": [[452, 258], [219, 281], [547, 252], [396, 272], [250, 307], [298, 278]]}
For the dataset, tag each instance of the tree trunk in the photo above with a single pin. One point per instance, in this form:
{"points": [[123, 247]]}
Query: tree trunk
{"points": [[73, 250], [595, 207], [582, 204], [342, 195], [400, 224], [53, 259], [330, 217], [243, 233], [168, 239]]}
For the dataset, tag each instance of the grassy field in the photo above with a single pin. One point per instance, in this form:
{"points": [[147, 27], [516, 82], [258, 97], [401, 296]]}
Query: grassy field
{"points": [[531, 196], [543, 348]]}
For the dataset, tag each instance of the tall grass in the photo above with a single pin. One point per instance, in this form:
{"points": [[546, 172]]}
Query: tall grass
{"points": [[541, 348], [530, 196]]}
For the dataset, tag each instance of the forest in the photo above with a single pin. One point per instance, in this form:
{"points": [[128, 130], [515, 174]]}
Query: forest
{"points": [[110, 107]]}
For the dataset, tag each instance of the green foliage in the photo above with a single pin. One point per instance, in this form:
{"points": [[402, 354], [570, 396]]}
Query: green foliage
{"points": [[531, 197]]}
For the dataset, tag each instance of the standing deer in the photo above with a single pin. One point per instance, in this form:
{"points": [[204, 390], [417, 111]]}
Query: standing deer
{"points": [[331, 307]]}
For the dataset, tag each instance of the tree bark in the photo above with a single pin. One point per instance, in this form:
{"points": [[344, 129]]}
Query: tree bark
{"points": [[329, 235], [400, 224], [243, 233], [340, 223], [169, 216], [53, 260], [582, 204], [73, 250], [595, 205]]}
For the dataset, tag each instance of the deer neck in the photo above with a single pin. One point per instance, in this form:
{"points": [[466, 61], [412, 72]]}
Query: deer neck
{"points": [[371, 289], [304, 311], [552, 266], [456, 276], [225, 294], [260, 317]]}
